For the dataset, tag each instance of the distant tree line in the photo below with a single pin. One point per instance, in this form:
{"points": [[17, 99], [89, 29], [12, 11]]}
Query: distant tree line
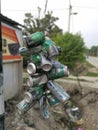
{"points": [[73, 46], [93, 51]]}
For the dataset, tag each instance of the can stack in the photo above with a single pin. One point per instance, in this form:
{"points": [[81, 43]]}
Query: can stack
{"points": [[43, 69]]}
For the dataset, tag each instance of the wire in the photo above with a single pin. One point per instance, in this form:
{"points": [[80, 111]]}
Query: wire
{"points": [[24, 10], [87, 7], [15, 10]]}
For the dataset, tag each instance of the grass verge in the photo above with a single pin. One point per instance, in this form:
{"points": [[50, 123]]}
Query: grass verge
{"points": [[92, 74]]}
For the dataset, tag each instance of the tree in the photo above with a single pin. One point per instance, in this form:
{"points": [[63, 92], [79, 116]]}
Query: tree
{"points": [[93, 51], [73, 48], [46, 25]]}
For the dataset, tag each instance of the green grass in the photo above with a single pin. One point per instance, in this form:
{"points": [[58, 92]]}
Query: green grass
{"points": [[92, 74], [88, 64]]}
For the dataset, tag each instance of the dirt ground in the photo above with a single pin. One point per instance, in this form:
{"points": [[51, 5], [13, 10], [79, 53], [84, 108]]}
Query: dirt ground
{"points": [[33, 120]]}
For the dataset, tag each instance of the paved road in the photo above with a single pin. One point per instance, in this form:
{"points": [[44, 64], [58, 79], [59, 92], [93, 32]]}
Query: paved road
{"points": [[93, 61]]}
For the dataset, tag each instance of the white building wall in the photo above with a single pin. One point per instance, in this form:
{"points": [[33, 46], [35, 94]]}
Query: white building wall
{"points": [[12, 78]]}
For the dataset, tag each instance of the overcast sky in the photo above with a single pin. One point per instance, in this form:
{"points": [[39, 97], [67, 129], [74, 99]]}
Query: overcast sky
{"points": [[85, 22]]}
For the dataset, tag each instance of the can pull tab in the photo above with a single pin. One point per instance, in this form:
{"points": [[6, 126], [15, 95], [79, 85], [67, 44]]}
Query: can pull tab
{"points": [[44, 107]]}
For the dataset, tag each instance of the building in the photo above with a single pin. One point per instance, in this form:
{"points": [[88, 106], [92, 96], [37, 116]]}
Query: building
{"points": [[12, 61]]}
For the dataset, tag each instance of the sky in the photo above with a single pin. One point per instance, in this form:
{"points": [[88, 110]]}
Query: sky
{"points": [[85, 22]]}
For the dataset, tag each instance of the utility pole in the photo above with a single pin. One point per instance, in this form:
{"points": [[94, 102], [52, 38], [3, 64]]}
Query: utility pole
{"points": [[69, 15], [39, 11], [1, 79]]}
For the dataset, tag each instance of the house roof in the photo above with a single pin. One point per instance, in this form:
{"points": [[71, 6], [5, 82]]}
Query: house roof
{"points": [[10, 21]]}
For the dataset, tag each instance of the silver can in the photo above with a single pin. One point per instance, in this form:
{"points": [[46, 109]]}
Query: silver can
{"points": [[58, 91], [23, 106], [32, 81]]}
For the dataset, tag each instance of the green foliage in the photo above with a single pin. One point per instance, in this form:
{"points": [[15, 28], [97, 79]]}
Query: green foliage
{"points": [[73, 48], [93, 51], [46, 24]]}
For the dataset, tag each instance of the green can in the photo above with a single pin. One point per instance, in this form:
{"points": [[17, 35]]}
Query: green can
{"points": [[28, 52], [58, 71], [50, 50], [52, 100], [34, 39], [46, 45], [36, 58]]}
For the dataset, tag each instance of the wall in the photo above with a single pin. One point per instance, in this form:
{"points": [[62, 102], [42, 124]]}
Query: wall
{"points": [[12, 61], [12, 71]]}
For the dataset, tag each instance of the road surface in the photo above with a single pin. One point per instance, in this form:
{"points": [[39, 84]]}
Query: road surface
{"points": [[93, 61]]}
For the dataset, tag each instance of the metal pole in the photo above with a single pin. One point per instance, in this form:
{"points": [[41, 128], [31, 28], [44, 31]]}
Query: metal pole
{"points": [[1, 79], [69, 15]]}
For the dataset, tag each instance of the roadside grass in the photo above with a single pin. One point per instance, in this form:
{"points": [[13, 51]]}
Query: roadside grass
{"points": [[88, 64], [92, 74], [89, 73]]}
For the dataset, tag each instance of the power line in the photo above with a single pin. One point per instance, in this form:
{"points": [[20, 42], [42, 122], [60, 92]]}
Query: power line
{"points": [[87, 7], [19, 10]]}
